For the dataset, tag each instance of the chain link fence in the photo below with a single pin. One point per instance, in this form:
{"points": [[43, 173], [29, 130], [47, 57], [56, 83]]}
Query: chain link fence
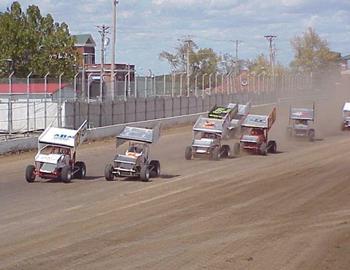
{"points": [[30, 104]]}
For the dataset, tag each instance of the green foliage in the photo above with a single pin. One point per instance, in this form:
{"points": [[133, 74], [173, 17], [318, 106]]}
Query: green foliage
{"points": [[229, 64], [312, 53], [35, 43], [201, 61], [261, 65]]}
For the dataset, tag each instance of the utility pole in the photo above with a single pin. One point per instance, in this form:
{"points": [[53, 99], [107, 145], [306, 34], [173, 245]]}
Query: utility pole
{"points": [[103, 30], [114, 36], [270, 39], [237, 42], [188, 42]]}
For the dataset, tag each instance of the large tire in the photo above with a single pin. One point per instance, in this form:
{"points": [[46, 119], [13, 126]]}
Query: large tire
{"points": [[188, 153], [236, 149], [272, 147], [30, 174], [145, 173], [263, 149], [66, 174], [81, 167], [311, 135], [108, 172], [215, 154], [225, 151], [155, 165]]}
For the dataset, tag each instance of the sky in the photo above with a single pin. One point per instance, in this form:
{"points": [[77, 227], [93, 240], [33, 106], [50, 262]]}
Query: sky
{"points": [[145, 28]]}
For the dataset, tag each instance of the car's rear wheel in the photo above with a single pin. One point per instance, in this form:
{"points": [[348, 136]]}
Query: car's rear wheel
{"points": [[215, 154], [155, 165], [236, 149], [145, 173], [262, 149], [311, 135], [30, 174], [225, 151], [81, 167], [272, 147]]}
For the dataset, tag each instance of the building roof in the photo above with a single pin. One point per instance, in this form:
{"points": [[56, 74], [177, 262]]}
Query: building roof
{"points": [[34, 88], [84, 40]]}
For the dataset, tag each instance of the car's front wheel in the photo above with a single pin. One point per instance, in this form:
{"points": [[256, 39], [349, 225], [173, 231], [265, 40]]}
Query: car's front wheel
{"points": [[30, 174]]}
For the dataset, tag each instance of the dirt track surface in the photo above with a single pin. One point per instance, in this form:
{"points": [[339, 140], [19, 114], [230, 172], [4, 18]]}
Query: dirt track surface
{"points": [[289, 210]]}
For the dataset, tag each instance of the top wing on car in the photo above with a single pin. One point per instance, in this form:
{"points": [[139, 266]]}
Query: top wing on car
{"points": [[221, 112], [145, 135], [242, 109], [63, 136], [212, 125], [301, 114], [260, 121]]}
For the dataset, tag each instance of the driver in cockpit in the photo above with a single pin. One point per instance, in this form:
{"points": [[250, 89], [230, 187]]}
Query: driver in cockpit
{"points": [[134, 150]]}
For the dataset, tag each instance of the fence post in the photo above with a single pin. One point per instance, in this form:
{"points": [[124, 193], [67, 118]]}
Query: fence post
{"points": [[125, 89], [203, 82], [28, 85], [196, 85], [59, 103], [88, 101], [45, 101], [146, 85], [9, 117], [164, 85], [172, 84], [211, 74], [75, 85]]}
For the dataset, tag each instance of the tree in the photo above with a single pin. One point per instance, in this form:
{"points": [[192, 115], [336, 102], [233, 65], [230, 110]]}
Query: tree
{"points": [[260, 65], [312, 53], [201, 61], [229, 64], [34, 43]]}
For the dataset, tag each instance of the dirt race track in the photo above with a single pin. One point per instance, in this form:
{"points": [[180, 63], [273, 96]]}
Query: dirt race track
{"points": [[289, 210]]}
